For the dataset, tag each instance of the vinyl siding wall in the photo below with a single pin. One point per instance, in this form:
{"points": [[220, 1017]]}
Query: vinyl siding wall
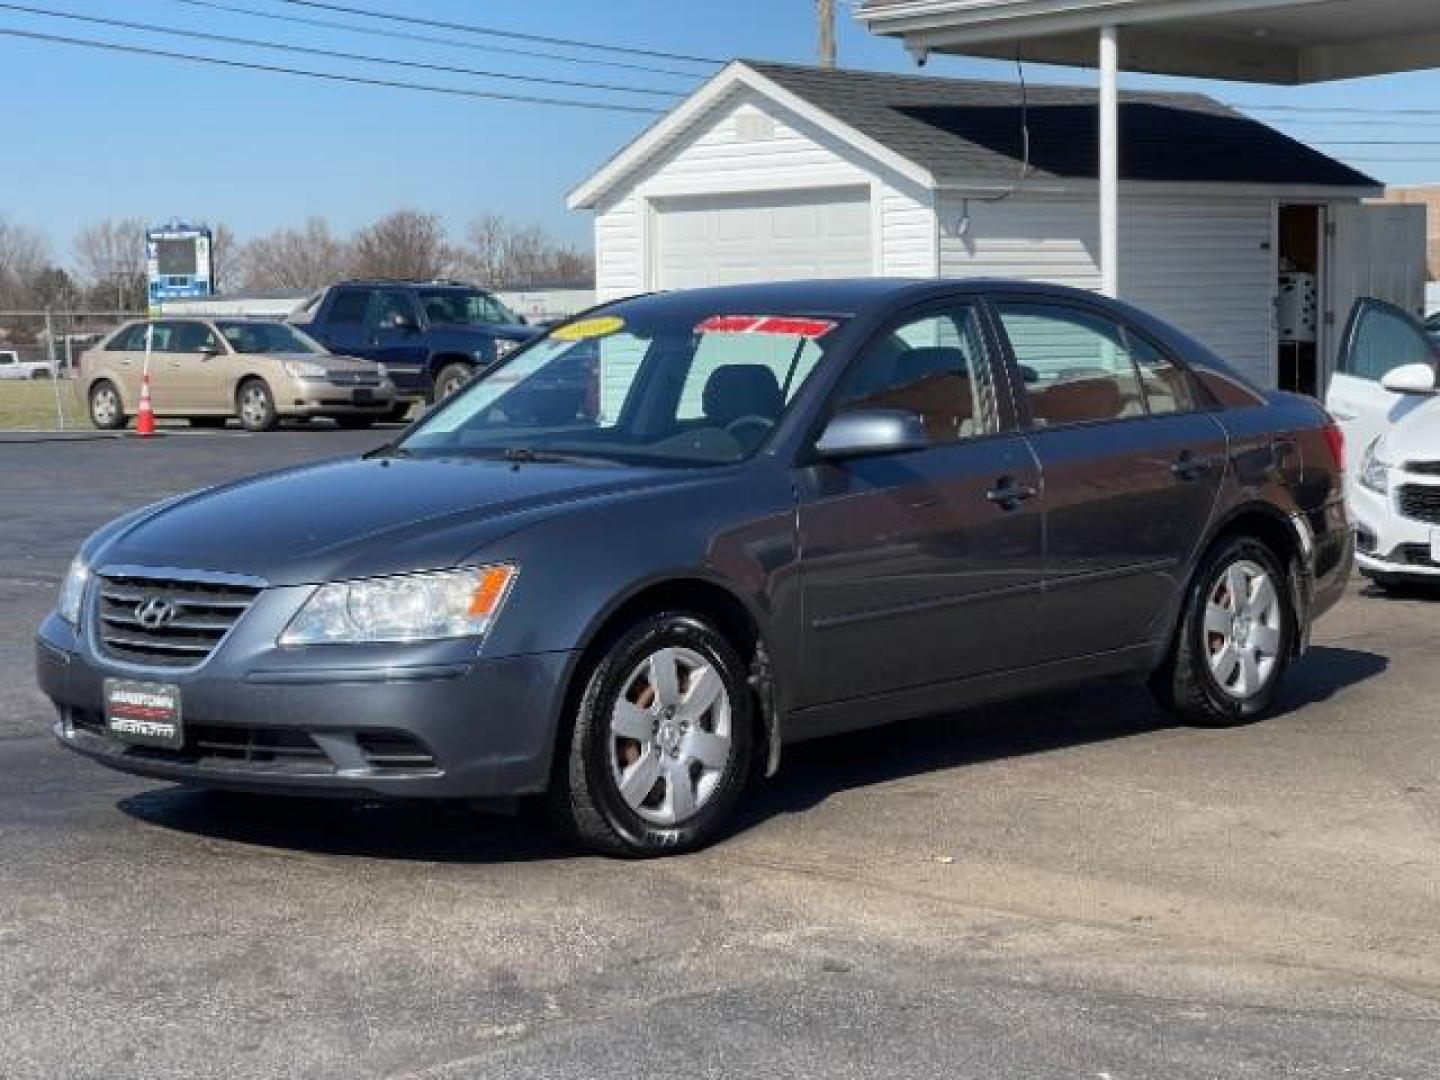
{"points": [[1202, 263]]}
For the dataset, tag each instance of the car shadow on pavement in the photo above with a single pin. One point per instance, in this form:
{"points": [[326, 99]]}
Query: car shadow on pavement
{"points": [[1092, 713], [418, 830], [810, 773]]}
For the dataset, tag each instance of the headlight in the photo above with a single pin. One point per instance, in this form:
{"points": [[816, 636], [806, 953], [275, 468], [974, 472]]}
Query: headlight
{"points": [[304, 369], [408, 607], [72, 592], [1375, 473]]}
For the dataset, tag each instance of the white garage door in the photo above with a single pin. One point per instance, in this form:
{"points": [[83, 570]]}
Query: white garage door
{"points": [[732, 239]]}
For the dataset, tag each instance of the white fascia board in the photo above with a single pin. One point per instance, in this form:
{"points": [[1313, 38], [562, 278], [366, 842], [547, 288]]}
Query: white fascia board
{"points": [[737, 74], [957, 21], [1282, 192]]}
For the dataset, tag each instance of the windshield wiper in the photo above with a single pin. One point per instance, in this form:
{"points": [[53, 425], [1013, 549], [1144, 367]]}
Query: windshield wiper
{"points": [[525, 455]]}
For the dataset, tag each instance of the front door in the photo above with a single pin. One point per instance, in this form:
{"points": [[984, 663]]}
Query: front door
{"points": [[392, 333], [921, 567], [1132, 472], [1379, 338], [195, 383]]}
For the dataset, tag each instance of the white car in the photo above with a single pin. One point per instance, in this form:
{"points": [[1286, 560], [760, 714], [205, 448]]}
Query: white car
{"points": [[1384, 396], [12, 367]]}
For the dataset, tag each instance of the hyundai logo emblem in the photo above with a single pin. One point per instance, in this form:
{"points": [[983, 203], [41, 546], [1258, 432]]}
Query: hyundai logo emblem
{"points": [[153, 614]]}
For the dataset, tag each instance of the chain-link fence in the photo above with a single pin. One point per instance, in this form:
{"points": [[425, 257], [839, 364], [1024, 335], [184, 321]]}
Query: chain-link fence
{"points": [[37, 390]]}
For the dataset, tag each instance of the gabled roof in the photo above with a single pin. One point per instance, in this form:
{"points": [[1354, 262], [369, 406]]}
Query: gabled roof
{"points": [[951, 132]]}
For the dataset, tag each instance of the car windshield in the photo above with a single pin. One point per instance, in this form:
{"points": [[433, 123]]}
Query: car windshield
{"points": [[264, 337], [464, 307], [646, 381]]}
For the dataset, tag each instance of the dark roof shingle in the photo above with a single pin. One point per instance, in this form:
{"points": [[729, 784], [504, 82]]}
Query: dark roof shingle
{"points": [[962, 130]]}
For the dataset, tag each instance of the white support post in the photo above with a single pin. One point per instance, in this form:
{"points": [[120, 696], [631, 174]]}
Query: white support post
{"points": [[1110, 161]]}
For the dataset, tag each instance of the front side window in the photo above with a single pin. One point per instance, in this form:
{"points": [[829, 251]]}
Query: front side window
{"points": [[464, 307], [389, 310], [265, 337], [192, 337], [935, 366], [1079, 366], [1383, 339], [646, 381]]}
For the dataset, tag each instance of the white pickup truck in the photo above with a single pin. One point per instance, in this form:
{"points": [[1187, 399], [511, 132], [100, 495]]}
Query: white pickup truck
{"points": [[12, 367]]}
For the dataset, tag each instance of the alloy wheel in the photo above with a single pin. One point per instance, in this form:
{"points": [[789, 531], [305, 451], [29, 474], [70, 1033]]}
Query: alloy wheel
{"points": [[254, 408], [1243, 629], [104, 406], [670, 736]]}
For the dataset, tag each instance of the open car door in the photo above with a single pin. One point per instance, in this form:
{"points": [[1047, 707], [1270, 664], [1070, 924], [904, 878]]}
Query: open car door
{"points": [[1379, 338]]}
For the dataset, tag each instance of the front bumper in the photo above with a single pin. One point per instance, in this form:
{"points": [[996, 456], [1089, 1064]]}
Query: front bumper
{"points": [[314, 397], [1387, 542], [426, 721]]}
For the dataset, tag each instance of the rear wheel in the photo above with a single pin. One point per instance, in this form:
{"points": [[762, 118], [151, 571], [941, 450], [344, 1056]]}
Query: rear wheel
{"points": [[660, 748], [255, 405], [450, 379], [1235, 640], [106, 411]]}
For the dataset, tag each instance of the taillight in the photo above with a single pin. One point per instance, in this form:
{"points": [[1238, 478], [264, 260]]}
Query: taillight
{"points": [[1335, 439]]}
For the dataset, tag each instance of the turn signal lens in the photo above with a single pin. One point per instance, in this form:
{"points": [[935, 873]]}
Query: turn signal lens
{"points": [[1335, 439]]}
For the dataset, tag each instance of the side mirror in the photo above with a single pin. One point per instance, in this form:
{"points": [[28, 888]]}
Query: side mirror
{"points": [[1410, 379], [867, 432]]}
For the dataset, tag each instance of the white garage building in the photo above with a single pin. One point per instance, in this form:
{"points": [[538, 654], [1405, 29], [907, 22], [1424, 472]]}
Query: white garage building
{"points": [[777, 171]]}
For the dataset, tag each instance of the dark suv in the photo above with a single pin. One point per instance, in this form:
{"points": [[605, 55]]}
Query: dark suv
{"points": [[430, 335]]}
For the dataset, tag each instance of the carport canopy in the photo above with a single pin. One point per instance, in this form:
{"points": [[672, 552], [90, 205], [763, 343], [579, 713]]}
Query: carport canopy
{"points": [[1283, 42]]}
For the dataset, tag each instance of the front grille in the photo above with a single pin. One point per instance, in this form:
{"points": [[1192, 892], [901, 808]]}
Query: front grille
{"points": [[200, 613], [394, 751], [1420, 503], [348, 380], [262, 749], [1423, 468]]}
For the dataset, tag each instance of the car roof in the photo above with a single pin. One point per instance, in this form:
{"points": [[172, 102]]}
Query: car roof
{"points": [[409, 283]]}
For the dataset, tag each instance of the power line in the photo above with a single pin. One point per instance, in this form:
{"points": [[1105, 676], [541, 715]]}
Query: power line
{"points": [[330, 53], [360, 80], [490, 31], [431, 39]]}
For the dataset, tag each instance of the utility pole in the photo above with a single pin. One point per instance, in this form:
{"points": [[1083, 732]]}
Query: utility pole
{"points": [[825, 13]]}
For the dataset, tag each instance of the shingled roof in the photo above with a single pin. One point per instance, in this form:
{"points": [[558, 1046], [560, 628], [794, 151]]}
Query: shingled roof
{"points": [[963, 130]]}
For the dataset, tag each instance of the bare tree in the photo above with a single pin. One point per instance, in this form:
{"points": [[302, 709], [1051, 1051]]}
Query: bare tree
{"points": [[24, 255], [110, 256], [405, 244], [294, 259], [224, 257], [497, 252]]}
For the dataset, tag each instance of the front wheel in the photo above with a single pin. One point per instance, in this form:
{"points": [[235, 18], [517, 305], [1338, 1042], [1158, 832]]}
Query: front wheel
{"points": [[660, 748], [1235, 641], [106, 411], [255, 405], [450, 379]]}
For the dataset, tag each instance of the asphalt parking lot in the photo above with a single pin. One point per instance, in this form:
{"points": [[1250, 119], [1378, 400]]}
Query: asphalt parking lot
{"points": [[1068, 888]]}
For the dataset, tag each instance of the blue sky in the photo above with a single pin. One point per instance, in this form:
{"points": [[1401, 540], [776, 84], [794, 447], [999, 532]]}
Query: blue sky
{"points": [[94, 134]]}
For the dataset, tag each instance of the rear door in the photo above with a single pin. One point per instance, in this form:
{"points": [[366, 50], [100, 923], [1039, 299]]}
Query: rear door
{"points": [[1132, 471], [1378, 338], [914, 573]]}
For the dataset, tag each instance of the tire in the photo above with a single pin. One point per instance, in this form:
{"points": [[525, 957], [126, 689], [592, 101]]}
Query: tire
{"points": [[697, 765], [450, 379], [255, 406], [107, 411], [208, 421], [1223, 671], [355, 423]]}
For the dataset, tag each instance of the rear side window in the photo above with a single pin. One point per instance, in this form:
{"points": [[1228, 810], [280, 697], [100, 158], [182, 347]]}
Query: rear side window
{"points": [[348, 308], [1079, 366], [131, 339], [1383, 339]]}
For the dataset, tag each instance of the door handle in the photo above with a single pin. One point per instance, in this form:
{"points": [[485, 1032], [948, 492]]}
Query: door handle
{"points": [[1188, 467], [1007, 495]]}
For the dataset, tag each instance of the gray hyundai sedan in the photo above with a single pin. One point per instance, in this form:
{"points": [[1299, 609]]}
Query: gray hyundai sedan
{"points": [[626, 567]]}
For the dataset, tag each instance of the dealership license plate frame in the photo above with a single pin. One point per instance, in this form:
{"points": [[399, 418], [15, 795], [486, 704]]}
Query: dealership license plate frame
{"points": [[144, 713]]}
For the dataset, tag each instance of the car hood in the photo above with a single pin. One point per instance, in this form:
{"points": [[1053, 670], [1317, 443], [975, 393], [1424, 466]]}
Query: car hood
{"points": [[357, 518], [1415, 433]]}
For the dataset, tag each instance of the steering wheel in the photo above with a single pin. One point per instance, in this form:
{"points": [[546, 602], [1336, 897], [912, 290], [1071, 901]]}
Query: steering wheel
{"points": [[762, 424]]}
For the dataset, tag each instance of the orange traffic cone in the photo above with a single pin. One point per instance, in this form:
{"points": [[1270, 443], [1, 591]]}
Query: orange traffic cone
{"points": [[145, 421]]}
